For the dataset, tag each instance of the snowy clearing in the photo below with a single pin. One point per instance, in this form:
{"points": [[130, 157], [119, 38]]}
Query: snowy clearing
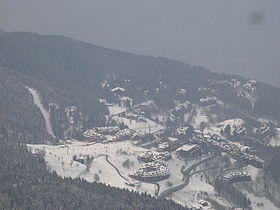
{"points": [[60, 159], [140, 126]]}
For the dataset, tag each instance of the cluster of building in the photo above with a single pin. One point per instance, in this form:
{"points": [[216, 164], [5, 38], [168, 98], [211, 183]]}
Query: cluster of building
{"points": [[151, 172], [263, 131], [208, 100], [92, 135], [152, 156], [107, 130], [183, 131], [234, 151], [252, 160], [83, 159], [165, 146], [99, 134], [235, 176], [202, 204], [124, 134]]}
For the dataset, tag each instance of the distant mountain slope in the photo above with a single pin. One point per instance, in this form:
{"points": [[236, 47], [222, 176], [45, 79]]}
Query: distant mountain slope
{"points": [[76, 66], [70, 72], [20, 120]]}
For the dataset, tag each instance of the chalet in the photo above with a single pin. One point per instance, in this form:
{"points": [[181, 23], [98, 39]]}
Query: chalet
{"points": [[235, 176], [124, 134], [151, 172], [203, 203], [118, 91], [163, 147], [183, 132], [208, 101], [153, 156], [110, 130], [92, 135], [188, 150]]}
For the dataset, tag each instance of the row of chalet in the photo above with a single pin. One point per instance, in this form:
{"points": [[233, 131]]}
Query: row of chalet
{"points": [[111, 130], [99, 134], [124, 134], [151, 172], [154, 156], [235, 176], [92, 135], [233, 150]]}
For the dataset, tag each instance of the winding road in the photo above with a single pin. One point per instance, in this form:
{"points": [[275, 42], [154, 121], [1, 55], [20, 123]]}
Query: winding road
{"points": [[118, 171], [187, 177]]}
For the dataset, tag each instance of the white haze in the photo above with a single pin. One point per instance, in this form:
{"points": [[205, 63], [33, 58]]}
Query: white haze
{"points": [[235, 36]]}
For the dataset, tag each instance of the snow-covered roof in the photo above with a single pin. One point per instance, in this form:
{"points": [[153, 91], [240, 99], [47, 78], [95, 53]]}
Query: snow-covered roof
{"points": [[172, 139], [186, 147], [118, 89]]}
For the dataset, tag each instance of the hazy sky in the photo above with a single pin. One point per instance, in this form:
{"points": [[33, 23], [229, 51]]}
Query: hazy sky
{"points": [[231, 36]]}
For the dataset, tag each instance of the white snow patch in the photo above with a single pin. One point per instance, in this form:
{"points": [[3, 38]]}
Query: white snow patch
{"points": [[45, 113], [140, 126], [114, 109], [60, 159], [176, 177], [188, 195], [256, 201], [200, 117], [252, 171], [236, 123], [275, 141]]}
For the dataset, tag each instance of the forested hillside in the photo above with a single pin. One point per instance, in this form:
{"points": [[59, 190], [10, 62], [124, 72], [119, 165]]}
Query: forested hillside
{"points": [[26, 184], [76, 70], [20, 121], [79, 68], [77, 84]]}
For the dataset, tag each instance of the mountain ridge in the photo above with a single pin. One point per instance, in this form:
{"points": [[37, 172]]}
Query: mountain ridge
{"points": [[69, 72]]}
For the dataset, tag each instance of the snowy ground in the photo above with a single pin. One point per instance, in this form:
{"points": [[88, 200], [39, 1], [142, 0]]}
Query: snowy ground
{"points": [[252, 171], [60, 159], [200, 117], [139, 126], [235, 123], [275, 141], [114, 109], [45, 113], [176, 177], [191, 194], [260, 203]]}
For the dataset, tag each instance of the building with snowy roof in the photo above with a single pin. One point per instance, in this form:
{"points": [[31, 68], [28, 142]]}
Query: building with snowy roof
{"points": [[92, 135], [151, 172], [235, 176], [188, 150]]}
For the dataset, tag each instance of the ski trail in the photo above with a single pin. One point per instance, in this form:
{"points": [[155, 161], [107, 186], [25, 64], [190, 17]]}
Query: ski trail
{"points": [[44, 112]]}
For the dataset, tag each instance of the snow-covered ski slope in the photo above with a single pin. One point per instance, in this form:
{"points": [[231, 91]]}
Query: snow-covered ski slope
{"points": [[45, 113]]}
